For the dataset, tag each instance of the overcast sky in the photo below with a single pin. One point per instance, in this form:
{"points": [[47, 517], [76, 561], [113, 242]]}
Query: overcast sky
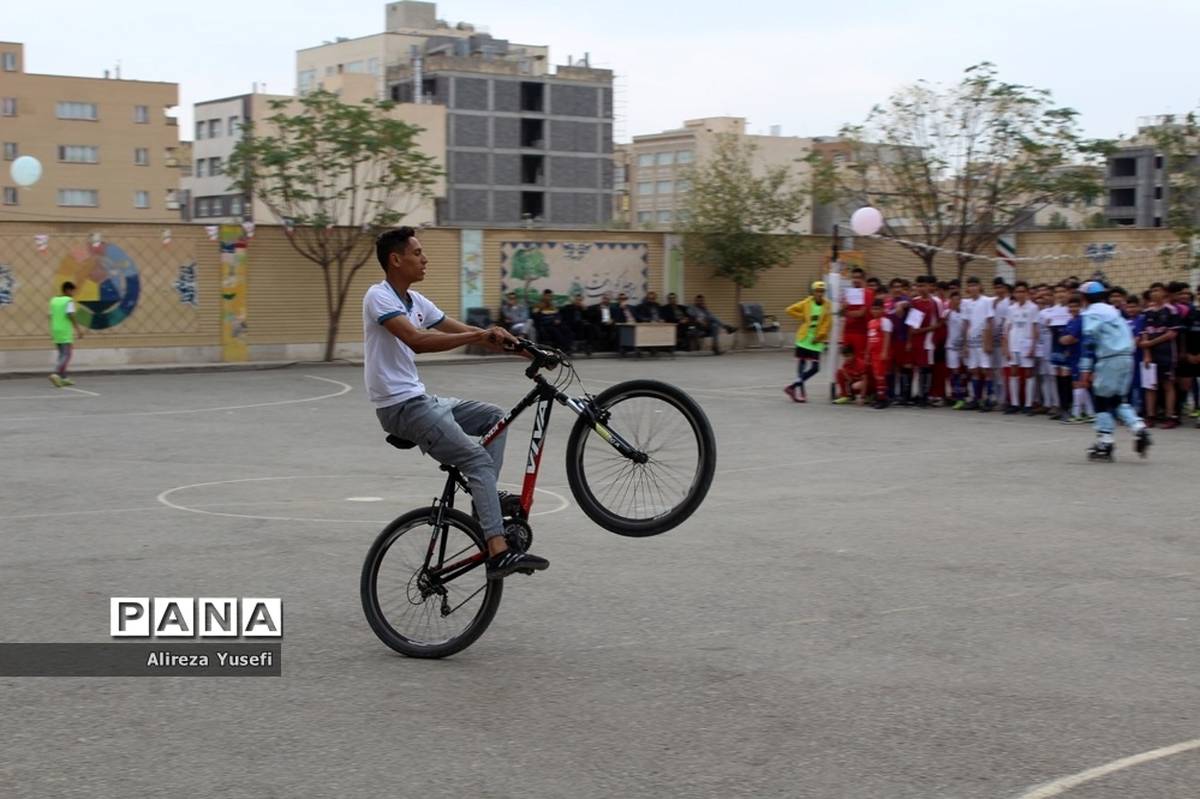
{"points": [[806, 66]]}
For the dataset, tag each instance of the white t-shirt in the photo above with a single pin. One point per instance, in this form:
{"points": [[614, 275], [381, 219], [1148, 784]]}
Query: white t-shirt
{"points": [[977, 312], [956, 329], [1045, 317], [999, 318], [1021, 319], [388, 366]]}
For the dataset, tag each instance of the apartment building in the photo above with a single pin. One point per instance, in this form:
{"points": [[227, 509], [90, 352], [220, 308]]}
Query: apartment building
{"points": [[526, 144], [1137, 186], [108, 147], [657, 165], [208, 195]]}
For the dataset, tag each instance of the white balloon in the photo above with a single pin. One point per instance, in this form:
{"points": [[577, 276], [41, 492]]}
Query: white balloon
{"points": [[26, 170], [866, 221]]}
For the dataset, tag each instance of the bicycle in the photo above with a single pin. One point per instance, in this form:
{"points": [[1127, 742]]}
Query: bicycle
{"points": [[424, 586]]}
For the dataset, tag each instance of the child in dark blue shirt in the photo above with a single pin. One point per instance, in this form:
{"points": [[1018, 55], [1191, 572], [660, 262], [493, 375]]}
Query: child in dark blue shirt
{"points": [[1082, 410]]}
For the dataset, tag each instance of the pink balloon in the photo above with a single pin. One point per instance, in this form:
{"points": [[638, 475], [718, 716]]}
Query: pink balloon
{"points": [[866, 221]]}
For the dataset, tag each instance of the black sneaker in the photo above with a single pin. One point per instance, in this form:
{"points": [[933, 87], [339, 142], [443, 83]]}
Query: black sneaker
{"points": [[1142, 442], [510, 560], [1011, 409]]}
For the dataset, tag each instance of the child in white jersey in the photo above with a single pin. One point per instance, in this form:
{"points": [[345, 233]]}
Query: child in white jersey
{"points": [[1020, 338]]}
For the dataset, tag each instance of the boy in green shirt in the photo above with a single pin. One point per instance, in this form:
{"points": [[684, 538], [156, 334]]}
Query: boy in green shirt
{"points": [[63, 329]]}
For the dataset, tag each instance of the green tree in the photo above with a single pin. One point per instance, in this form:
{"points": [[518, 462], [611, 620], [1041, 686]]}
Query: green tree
{"points": [[1178, 140], [528, 265], [1058, 221], [336, 174], [1097, 221], [736, 217], [956, 167]]}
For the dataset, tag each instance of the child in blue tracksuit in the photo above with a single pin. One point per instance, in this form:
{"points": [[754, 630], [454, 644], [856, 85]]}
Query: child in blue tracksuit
{"points": [[1106, 365]]}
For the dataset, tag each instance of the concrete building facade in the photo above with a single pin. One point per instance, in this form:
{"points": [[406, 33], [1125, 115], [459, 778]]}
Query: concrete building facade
{"points": [[108, 148], [218, 129], [657, 166], [525, 145], [1137, 186]]}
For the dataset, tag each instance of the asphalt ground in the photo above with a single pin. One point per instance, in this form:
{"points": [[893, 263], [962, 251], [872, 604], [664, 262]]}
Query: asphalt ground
{"points": [[900, 603]]}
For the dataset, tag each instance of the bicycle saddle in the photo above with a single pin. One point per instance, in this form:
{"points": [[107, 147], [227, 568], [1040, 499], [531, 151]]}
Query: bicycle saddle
{"points": [[400, 443]]}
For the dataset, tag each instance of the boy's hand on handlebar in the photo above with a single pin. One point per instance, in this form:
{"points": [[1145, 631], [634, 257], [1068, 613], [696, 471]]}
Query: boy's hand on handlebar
{"points": [[499, 339]]}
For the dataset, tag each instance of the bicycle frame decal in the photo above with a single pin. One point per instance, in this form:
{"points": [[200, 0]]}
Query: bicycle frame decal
{"points": [[537, 444]]}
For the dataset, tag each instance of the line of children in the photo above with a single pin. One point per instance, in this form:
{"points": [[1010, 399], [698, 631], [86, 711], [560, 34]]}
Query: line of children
{"points": [[1019, 349]]}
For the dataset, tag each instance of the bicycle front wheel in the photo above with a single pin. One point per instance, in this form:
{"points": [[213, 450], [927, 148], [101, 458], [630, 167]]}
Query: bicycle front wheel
{"points": [[434, 611], [650, 495]]}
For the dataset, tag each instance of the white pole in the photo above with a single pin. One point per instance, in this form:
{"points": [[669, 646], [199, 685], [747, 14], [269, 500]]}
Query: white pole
{"points": [[833, 293]]}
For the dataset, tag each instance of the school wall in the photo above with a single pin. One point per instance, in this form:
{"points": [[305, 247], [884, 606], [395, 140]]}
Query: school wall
{"points": [[178, 320]]}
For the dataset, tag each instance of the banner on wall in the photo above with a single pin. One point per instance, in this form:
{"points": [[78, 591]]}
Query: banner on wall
{"points": [[472, 270], [590, 268], [233, 294]]}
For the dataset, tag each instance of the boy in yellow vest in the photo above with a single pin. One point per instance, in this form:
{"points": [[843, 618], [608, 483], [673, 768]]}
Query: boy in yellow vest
{"points": [[63, 329], [811, 335]]}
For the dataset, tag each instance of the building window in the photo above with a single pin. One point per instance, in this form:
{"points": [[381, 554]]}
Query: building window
{"points": [[619, 175], [646, 159], [305, 79], [645, 217], [141, 199], [233, 125], [8, 106], [1158, 192], [202, 206], [1158, 162], [201, 167], [356, 66], [373, 66], [235, 206], [645, 187], [10, 195], [214, 166], [78, 154], [665, 159], [683, 157], [73, 110], [141, 156], [199, 130], [141, 114], [214, 128], [665, 187], [10, 150], [664, 216], [10, 65], [328, 71], [79, 198]]}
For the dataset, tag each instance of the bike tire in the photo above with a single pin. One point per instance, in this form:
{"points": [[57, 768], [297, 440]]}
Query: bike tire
{"points": [[577, 443], [420, 519]]}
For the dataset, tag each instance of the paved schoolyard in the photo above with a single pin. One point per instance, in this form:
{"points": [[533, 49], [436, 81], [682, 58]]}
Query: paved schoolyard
{"points": [[869, 604]]}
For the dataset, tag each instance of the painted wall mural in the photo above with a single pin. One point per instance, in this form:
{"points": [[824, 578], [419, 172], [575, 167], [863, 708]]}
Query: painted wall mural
{"points": [[472, 269], [233, 293], [592, 268], [107, 284]]}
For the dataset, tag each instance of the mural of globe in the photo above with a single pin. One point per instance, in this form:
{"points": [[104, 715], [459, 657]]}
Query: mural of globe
{"points": [[106, 284]]}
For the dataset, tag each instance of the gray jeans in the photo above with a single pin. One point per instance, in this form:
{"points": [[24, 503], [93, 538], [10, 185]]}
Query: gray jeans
{"points": [[441, 427]]}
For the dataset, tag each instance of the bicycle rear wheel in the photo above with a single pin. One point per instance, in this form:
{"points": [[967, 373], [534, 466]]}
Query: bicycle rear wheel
{"points": [[635, 498], [413, 609]]}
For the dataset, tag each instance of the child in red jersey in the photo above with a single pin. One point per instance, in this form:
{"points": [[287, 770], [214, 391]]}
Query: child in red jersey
{"points": [[879, 351], [851, 377]]}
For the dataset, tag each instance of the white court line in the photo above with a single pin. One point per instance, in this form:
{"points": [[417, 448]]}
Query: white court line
{"points": [[1064, 784], [346, 388], [162, 497], [54, 395]]}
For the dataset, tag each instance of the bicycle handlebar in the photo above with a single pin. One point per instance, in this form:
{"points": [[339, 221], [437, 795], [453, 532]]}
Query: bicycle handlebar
{"points": [[543, 357]]}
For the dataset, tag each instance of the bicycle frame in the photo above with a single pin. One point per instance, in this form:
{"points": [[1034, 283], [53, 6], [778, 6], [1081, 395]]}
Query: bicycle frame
{"points": [[543, 395]]}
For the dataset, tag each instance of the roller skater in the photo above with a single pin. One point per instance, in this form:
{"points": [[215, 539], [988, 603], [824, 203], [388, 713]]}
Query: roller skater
{"points": [[1107, 365]]}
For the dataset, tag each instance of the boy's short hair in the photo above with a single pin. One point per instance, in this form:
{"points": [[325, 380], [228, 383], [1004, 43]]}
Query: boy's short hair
{"points": [[953, 293], [1117, 290], [1134, 298], [896, 281], [1176, 286], [1021, 284], [1157, 285], [943, 285], [67, 286], [858, 270], [1146, 295], [1075, 299], [973, 281], [392, 241], [878, 303]]}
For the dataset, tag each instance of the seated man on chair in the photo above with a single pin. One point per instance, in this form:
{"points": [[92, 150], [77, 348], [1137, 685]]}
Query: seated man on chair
{"points": [[515, 316], [706, 322], [575, 319], [675, 314], [649, 310], [398, 322]]}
